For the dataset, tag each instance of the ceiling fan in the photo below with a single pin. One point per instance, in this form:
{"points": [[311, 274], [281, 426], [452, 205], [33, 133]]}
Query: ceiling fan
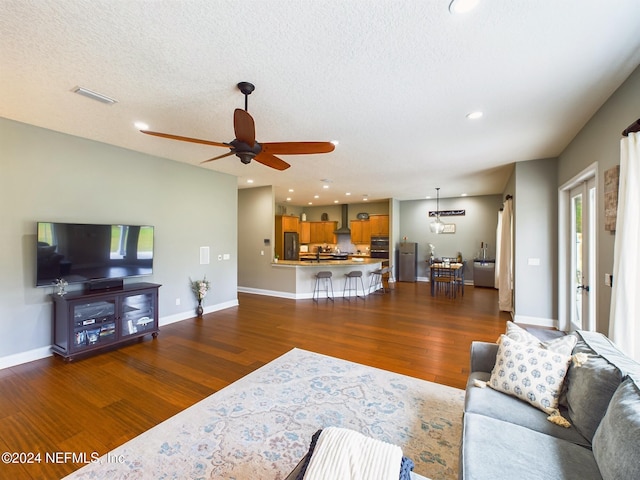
{"points": [[245, 147]]}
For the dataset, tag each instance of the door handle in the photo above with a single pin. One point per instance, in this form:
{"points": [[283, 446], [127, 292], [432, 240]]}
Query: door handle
{"points": [[583, 287]]}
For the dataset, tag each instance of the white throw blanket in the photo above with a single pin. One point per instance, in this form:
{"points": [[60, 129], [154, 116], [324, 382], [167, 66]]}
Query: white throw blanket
{"points": [[342, 454]]}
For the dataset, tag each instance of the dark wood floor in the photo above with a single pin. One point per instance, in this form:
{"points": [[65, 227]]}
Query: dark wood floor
{"points": [[50, 407]]}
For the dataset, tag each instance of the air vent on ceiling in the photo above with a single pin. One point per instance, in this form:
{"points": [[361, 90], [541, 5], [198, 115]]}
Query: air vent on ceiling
{"points": [[94, 95]]}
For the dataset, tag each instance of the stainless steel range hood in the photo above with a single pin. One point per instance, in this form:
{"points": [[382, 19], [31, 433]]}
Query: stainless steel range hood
{"points": [[344, 227]]}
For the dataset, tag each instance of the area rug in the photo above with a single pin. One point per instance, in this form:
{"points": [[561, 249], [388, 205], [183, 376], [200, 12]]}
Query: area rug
{"points": [[260, 426]]}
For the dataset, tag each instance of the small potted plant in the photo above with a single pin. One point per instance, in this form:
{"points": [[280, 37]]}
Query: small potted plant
{"points": [[275, 258], [200, 288]]}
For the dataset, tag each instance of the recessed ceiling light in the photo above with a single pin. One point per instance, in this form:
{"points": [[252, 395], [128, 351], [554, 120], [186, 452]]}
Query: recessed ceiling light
{"points": [[348, 193], [288, 199], [310, 203], [291, 190], [325, 186], [428, 197], [474, 115], [462, 6], [463, 194], [141, 126], [249, 180], [316, 196], [336, 201]]}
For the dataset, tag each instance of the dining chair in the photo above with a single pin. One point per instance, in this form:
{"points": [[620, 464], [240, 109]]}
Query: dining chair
{"points": [[459, 280], [445, 280]]}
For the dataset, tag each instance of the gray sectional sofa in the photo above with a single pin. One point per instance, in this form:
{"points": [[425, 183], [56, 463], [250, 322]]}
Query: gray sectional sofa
{"points": [[505, 437]]}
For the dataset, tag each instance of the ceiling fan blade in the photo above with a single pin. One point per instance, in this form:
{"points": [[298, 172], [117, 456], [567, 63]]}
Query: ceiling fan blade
{"points": [[244, 127], [271, 161], [297, 148], [217, 158], [186, 139]]}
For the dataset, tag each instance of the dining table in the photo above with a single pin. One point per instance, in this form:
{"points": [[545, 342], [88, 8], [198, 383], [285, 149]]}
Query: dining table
{"points": [[457, 269]]}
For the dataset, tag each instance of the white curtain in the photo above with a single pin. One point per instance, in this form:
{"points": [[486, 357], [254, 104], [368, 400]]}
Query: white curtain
{"points": [[497, 264], [624, 318], [505, 273]]}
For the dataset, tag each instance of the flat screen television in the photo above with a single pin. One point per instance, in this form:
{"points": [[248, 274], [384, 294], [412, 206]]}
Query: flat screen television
{"points": [[86, 253]]}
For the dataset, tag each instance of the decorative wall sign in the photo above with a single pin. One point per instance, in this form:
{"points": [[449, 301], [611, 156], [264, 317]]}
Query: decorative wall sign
{"points": [[446, 213], [449, 228], [611, 178]]}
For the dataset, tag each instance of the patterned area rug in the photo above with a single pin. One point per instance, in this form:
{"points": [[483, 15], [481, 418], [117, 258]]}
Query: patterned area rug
{"points": [[260, 426]]}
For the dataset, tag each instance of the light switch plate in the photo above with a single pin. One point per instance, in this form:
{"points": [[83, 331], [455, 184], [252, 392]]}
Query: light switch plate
{"points": [[204, 255]]}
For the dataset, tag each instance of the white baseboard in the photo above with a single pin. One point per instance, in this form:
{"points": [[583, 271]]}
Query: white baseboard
{"points": [[178, 317], [536, 321], [268, 293], [25, 357], [44, 352]]}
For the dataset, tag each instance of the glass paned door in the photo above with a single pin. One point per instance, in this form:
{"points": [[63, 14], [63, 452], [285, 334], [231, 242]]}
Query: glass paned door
{"points": [[93, 323], [582, 288], [137, 314]]}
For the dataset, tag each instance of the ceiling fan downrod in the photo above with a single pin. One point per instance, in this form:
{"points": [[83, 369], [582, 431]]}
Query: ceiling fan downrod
{"points": [[246, 88]]}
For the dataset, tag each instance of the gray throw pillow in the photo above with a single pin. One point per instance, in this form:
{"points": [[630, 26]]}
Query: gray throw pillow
{"points": [[616, 443], [590, 386]]}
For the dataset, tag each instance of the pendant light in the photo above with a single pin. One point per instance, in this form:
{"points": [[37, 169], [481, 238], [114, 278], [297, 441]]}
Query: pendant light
{"points": [[437, 226]]}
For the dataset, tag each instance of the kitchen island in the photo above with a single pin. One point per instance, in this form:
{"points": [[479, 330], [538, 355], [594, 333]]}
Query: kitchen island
{"points": [[300, 275]]}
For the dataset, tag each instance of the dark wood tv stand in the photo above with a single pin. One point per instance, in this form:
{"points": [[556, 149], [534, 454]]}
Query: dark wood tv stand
{"points": [[91, 320]]}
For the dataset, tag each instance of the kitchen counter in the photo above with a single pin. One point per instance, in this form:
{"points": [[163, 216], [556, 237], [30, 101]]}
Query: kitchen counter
{"points": [[330, 256], [296, 279], [326, 261]]}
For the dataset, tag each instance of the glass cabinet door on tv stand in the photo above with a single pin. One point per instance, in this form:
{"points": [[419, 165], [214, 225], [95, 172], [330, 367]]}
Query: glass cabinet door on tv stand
{"points": [[91, 320], [94, 324], [137, 314]]}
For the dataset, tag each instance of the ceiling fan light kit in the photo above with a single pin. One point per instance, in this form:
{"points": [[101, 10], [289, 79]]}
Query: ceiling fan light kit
{"points": [[245, 147]]}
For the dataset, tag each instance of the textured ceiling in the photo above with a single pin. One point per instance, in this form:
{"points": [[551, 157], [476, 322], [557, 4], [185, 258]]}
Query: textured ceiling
{"points": [[392, 81]]}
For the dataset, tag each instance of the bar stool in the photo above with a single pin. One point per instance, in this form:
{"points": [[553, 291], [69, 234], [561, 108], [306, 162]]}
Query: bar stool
{"points": [[375, 281], [327, 284], [391, 279], [349, 277]]}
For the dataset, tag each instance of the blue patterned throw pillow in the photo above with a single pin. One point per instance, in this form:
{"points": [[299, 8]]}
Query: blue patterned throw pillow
{"points": [[530, 373]]}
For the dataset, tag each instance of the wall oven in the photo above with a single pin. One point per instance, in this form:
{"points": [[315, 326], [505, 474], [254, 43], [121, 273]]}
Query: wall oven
{"points": [[379, 247]]}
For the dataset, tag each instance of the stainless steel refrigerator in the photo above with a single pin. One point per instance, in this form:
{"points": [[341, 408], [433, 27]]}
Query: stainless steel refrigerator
{"points": [[291, 246], [408, 262]]}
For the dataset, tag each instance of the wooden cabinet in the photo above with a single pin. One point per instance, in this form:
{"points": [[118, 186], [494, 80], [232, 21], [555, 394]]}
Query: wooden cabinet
{"points": [[288, 223], [92, 320], [329, 229], [316, 232], [360, 231], [322, 232], [305, 232], [379, 225], [284, 223]]}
